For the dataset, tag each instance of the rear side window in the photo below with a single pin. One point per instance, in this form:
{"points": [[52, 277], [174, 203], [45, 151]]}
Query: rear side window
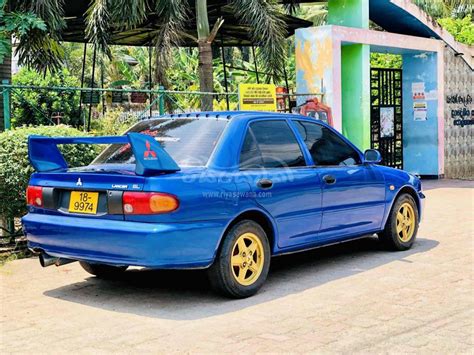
{"points": [[326, 147], [270, 144], [190, 142]]}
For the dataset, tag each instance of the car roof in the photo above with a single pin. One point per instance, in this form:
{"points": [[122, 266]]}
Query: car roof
{"points": [[232, 115]]}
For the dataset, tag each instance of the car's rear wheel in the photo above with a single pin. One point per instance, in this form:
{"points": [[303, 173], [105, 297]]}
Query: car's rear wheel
{"points": [[402, 224], [102, 270], [242, 264]]}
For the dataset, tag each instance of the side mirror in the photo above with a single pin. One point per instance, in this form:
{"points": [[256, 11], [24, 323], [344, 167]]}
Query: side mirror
{"points": [[372, 156]]}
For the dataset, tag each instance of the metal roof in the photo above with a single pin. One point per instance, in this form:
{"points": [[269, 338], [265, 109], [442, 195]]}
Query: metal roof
{"points": [[232, 32]]}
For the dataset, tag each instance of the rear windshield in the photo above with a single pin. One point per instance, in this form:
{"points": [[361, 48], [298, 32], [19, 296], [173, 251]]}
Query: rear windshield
{"points": [[190, 142]]}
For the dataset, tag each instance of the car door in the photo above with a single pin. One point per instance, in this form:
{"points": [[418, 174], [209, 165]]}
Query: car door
{"points": [[274, 164], [353, 193]]}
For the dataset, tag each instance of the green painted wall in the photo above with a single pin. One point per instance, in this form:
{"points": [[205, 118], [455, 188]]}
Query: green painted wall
{"points": [[355, 87], [350, 13]]}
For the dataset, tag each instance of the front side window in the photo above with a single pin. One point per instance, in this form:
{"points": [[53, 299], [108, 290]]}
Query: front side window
{"points": [[190, 142], [325, 147], [270, 144]]}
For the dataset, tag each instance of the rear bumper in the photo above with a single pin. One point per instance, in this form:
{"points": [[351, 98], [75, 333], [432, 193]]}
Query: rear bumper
{"points": [[173, 245]]}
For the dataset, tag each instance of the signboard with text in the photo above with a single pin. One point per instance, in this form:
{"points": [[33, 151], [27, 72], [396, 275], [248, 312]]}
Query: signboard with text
{"points": [[257, 97]]}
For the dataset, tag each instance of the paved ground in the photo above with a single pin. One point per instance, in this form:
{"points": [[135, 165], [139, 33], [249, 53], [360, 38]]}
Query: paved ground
{"points": [[349, 298]]}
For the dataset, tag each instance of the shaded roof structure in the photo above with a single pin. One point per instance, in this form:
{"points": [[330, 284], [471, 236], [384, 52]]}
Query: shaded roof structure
{"points": [[404, 17], [232, 32]]}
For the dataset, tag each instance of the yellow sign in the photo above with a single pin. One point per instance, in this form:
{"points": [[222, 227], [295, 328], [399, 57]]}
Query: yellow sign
{"points": [[257, 97]]}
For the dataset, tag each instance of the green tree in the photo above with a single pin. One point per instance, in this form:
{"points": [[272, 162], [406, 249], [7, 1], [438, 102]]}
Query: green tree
{"points": [[39, 106]]}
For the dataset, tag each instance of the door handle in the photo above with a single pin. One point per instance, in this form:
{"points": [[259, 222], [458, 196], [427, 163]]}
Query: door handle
{"points": [[329, 179], [265, 183]]}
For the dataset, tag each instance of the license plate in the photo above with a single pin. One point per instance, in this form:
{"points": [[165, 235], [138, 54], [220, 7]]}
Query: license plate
{"points": [[83, 202]]}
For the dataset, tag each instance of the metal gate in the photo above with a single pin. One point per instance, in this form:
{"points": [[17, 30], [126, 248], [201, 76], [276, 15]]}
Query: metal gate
{"points": [[386, 120]]}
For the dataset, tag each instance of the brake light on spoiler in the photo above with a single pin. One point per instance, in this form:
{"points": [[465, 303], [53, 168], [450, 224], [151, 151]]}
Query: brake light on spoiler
{"points": [[148, 202], [34, 196]]}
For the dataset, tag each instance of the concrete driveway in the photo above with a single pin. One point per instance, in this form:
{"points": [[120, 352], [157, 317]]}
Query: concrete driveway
{"points": [[348, 298]]}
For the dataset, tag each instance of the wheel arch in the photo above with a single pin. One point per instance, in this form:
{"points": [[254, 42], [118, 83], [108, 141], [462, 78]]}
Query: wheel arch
{"points": [[263, 219], [404, 190]]}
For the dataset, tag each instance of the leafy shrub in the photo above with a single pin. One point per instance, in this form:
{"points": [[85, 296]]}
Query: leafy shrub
{"points": [[15, 168], [461, 29], [114, 123], [38, 106]]}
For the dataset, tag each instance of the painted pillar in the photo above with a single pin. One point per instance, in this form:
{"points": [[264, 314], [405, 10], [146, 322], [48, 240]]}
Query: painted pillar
{"points": [[355, 88], [420, 114], [355, 68], [318, 67]]}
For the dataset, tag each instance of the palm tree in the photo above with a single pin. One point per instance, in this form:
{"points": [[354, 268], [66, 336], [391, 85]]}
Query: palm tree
{"points": [[103, 16], [263, 16]]}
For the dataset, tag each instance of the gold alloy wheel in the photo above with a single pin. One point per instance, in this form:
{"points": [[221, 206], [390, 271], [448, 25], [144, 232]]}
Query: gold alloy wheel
{"points": [[247, 259], [405, 222]]}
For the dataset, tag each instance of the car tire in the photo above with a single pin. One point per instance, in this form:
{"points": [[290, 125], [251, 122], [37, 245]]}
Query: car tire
{"points": [[103, 271], [242, 262], [402, 224]]}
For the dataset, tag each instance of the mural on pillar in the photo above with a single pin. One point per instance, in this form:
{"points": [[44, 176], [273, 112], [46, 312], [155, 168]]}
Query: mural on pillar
{"points": [[314, 67]]}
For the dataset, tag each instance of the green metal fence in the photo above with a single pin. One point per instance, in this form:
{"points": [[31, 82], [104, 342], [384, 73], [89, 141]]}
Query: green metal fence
{"points": [[85, 105], [93, 103]]}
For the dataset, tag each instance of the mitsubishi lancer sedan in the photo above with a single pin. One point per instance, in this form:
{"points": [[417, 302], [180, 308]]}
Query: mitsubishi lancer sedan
{"points": [[223, 191]]}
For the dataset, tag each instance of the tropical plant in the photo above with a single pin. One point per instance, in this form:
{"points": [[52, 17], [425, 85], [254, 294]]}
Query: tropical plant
{"points": [[446, 8], [18, 25], [38, 38]]}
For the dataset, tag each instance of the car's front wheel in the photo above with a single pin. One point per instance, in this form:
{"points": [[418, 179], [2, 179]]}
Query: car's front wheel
{"points": [[242, 264], [402, 224], [102, 270]]}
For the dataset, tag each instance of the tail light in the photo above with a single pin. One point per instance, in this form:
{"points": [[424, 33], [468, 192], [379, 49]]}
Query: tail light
{"points": [[34, 196], [148, 202]]}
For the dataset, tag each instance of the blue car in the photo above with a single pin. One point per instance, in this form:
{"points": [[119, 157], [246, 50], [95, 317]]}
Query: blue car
{"points": [[219, 191]]}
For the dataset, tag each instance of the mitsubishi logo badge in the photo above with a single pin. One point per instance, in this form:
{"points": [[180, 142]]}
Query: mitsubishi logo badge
{"points": [[79, 182]]}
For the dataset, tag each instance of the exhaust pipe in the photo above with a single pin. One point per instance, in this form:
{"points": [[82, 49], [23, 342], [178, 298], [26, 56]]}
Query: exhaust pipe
{"points": [[48, 260]]}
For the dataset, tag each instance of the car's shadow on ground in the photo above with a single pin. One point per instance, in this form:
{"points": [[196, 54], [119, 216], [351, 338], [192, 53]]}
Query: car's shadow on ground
{"points": [[182, 295]]}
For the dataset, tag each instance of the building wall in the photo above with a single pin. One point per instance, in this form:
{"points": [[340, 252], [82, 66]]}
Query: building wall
{"points": [[459, 87], [420, 127]]}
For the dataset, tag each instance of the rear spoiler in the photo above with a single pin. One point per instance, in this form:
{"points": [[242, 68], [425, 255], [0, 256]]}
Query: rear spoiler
{"points": [[150, 157]]}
